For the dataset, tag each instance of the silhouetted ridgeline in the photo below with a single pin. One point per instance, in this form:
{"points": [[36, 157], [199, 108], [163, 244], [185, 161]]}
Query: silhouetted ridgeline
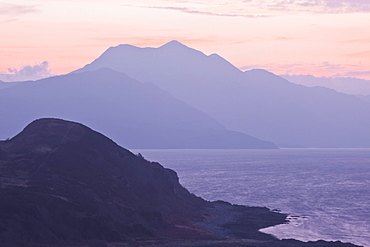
{"points": [[134, 114], [255, 102], [63, 184]]}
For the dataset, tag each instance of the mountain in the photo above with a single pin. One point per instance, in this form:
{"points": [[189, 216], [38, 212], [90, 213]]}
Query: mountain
{"points": [[256, 102], [188, 74], [7, 84], [364, 97], [134, 114], [313, 117], [347, 85], [69, 182], [63, 184]]}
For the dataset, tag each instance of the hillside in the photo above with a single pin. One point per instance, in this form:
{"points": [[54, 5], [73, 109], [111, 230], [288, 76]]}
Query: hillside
{"points": [[134, 114], [63, 184]]}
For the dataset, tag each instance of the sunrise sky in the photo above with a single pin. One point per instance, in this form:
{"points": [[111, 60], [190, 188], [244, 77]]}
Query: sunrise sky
{"points": [[318, 37]]}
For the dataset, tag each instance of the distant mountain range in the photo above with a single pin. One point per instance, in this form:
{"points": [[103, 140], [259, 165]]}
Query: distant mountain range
{"points": [[256, 102], [365, 98], [347, 85], [134, 114], [7, 84]]}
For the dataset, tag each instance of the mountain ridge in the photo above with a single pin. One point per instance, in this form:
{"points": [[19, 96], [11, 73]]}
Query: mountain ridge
{"points": [[255, 102], [135, 114], [348, 85]]}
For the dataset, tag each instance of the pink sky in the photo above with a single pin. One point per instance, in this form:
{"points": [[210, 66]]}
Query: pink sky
{"points": [[318, 37]]}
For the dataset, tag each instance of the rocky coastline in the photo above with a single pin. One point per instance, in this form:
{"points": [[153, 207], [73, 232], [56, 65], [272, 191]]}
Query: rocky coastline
{"points": [[63, 184]]}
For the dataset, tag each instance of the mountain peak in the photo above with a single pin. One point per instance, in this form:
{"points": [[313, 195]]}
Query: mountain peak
{"points": [[259, 71], [53, 132], [173, 44], [124, 46]]}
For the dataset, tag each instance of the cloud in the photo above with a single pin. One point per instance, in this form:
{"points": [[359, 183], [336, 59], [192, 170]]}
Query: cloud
{"points": [[156, 40], [322, 69], [357, 74], [195, 10], [283, 38], [317, 6], [7, 20], [353, 41], [363, 54], [29, 72], [255, 8], [10, 9], [209, 13]]}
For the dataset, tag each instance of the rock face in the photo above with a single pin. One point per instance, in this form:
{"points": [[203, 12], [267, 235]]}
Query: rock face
{"points": [[63, 184], [61, 180]]}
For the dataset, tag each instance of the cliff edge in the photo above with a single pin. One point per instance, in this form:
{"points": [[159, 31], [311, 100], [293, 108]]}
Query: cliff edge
{"points": [[63, 184]]}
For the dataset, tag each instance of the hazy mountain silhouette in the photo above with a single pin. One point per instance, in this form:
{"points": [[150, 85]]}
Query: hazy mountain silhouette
{"points": [[63, 184], [364, 97], [7, 84], [347, 85], [255, 102], [313, 117], [134, 114]]}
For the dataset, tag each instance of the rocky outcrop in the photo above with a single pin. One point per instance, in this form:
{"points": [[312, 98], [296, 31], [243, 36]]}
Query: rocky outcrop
{"points": [[62, 181], [63, 184]]}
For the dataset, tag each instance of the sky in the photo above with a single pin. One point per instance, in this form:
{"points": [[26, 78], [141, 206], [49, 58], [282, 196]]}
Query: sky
{"points": [[318, 37]]}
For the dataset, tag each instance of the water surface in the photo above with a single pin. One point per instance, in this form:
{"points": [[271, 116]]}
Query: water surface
{"points": [[328, 188]]}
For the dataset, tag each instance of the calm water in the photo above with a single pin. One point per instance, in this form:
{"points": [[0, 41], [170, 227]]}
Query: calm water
{"points": [[328, 188]]}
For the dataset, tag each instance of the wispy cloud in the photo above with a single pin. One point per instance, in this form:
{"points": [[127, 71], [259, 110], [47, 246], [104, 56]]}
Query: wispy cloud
{"points": [[256, 8], [282, 38], [156, 40], [324, 69], [10, 9], [8, 20], [363, 54], [29, 72], [317, 6], [352, 41], [357, 74], [209, 13], [188, 7]]}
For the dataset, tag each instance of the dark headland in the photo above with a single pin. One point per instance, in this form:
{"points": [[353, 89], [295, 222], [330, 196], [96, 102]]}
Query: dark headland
{"points": [[63, 184]]}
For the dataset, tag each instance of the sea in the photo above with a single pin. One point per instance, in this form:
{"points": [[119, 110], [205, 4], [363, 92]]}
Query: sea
{"points": [[325, 192]]}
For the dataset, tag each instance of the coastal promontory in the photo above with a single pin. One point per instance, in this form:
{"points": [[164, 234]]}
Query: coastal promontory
{"points": [[63, 184]]}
